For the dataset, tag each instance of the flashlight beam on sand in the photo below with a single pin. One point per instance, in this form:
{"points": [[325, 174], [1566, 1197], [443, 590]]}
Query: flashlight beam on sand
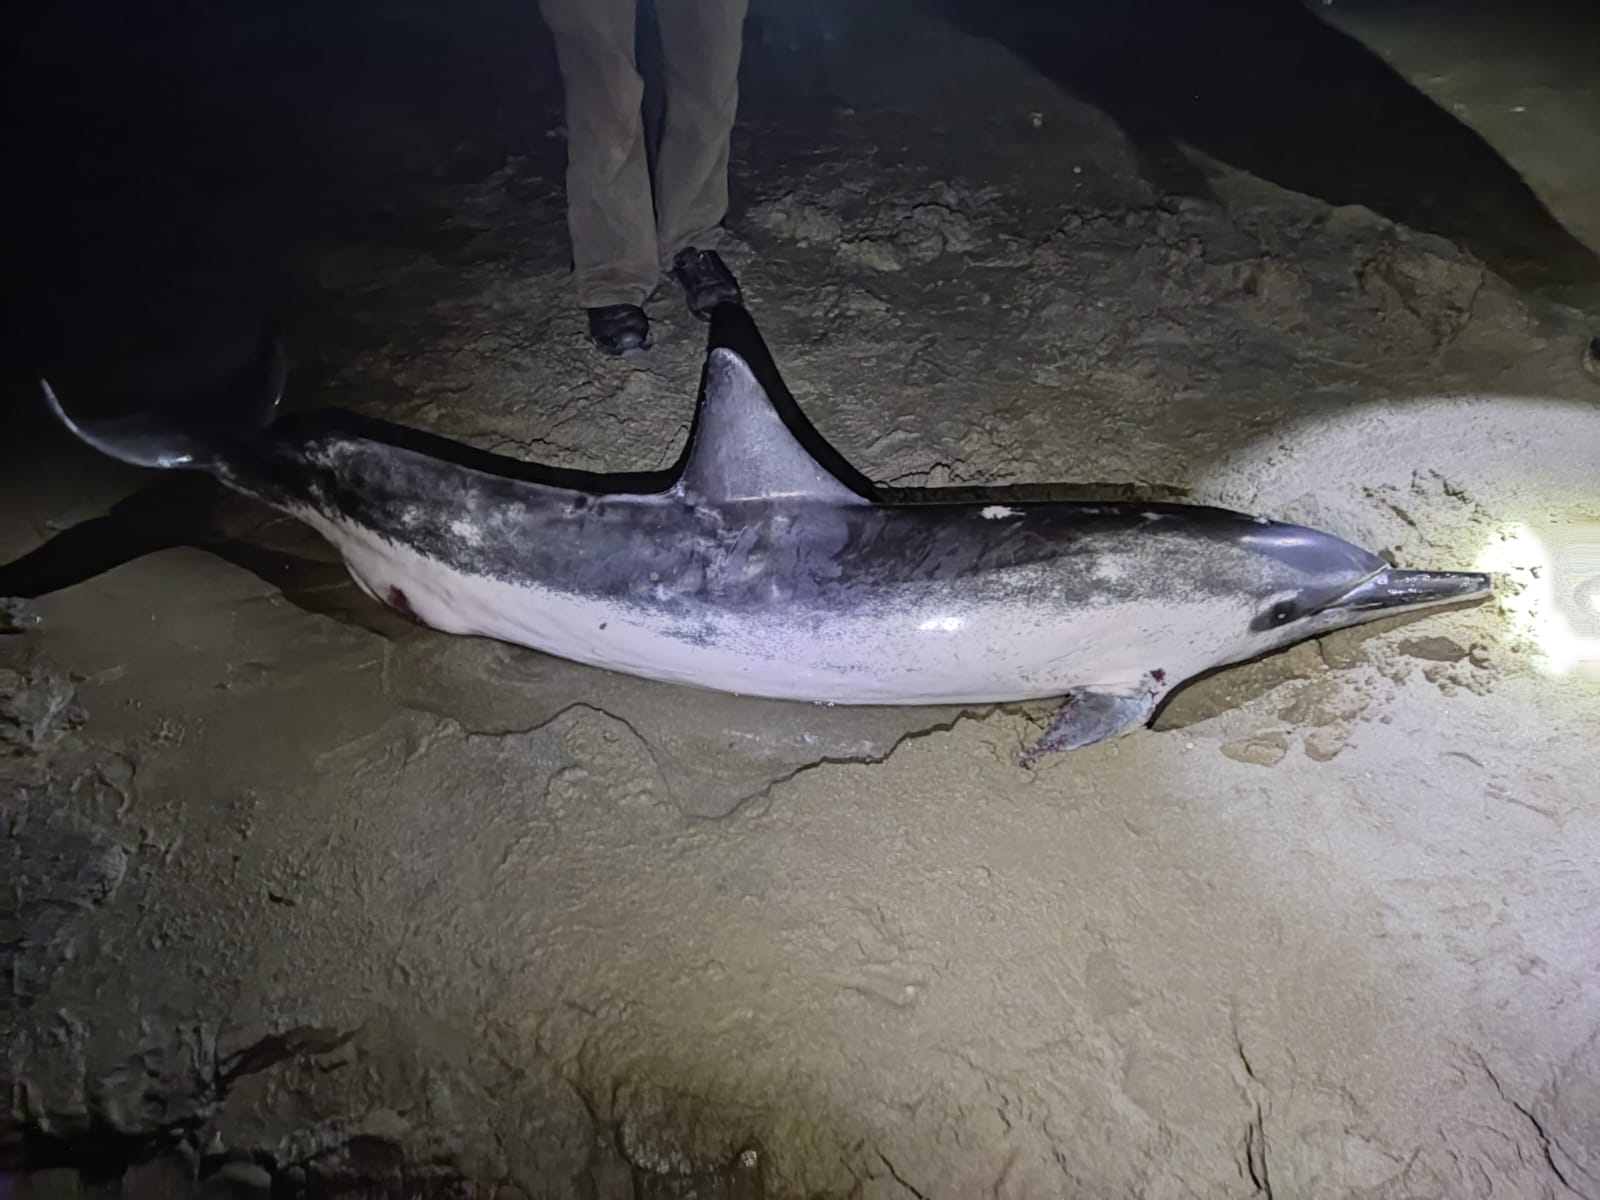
{"points": [[1552, 592]]}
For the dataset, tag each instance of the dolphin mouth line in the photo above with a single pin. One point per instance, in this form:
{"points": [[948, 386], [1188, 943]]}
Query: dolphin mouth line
{"points": [[1401, 591]]}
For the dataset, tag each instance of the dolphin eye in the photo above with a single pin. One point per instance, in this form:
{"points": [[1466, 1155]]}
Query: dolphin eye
{"points": [[1279, 615]]}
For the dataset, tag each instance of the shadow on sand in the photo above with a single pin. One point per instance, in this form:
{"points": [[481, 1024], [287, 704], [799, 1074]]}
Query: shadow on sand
{"points": [[1269, 88]]}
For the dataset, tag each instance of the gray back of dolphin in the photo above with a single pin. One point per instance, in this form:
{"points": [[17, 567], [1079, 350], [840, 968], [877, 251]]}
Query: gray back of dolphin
{"points": [[763, 564]]}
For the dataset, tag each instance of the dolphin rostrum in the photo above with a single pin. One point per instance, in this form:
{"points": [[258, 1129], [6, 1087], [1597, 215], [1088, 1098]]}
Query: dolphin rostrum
{"points": [[763, 564]]}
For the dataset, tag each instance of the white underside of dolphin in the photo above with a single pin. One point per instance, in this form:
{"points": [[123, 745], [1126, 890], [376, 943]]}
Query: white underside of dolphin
{"points": [[758, 571], [942, 653]]}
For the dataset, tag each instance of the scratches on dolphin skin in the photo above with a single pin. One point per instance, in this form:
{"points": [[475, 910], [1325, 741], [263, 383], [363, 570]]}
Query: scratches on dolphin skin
{"points": [[468, 531], [1111, 570]]}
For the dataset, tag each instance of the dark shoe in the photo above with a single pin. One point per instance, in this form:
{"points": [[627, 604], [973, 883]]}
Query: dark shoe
{"points": [[706, 281], [619, 328]]}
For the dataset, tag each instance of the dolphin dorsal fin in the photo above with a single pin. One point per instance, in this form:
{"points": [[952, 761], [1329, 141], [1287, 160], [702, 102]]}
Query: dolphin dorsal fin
{"points": [[740, 447]]}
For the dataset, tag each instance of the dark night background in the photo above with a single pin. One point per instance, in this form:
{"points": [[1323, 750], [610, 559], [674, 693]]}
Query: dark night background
{"points": [[170, 163], [989, 241]]}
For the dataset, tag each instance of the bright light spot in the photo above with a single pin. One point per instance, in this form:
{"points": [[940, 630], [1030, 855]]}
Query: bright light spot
{"points": [[940, 625], [994, 512], [1548, 582]]}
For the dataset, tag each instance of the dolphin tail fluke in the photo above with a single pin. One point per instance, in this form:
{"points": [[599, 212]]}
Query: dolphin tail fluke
{"points": [[185, 440]]}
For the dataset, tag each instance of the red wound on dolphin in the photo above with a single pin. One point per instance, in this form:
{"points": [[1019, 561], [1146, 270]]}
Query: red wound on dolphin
{"points": [[396, 599]]}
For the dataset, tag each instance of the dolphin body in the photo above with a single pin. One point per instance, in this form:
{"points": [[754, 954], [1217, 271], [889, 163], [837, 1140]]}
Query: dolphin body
{"points": [[763, 564]]}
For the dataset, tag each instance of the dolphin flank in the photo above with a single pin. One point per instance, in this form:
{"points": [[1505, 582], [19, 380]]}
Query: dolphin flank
{"points": [[763, 564]]}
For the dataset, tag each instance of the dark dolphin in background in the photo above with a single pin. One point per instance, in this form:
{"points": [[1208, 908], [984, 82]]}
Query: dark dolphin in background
{"points": [[763, 564]]}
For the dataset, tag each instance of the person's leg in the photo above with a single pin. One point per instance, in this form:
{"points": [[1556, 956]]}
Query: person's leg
{"points": [[610, 216], [701, 41]]}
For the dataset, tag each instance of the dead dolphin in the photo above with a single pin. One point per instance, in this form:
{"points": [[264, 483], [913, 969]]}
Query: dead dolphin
{"points": [[763, 564]]}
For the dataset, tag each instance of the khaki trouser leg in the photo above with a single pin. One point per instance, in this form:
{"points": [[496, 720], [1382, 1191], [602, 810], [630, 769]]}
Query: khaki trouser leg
{"points": [[609, 212], [700, 41]]}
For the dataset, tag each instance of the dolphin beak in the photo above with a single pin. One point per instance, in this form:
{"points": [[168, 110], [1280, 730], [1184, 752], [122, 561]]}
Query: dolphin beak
{"points": [[1401, 591]]}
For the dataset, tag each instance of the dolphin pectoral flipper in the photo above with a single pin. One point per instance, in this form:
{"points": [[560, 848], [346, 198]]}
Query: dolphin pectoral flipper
{"points": [[1086, 717]]}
